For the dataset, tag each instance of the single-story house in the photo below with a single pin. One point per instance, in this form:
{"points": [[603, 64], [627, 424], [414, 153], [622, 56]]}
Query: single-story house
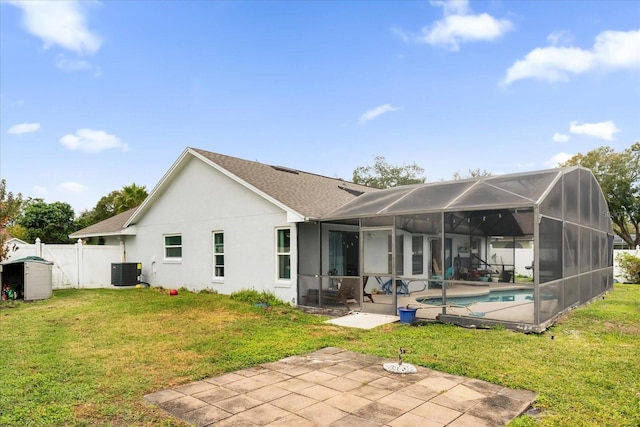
{"points": [[222, 223], [449, 249]]}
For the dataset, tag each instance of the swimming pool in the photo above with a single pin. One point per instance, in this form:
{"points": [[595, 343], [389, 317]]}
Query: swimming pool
{"points": [[491, 296]]}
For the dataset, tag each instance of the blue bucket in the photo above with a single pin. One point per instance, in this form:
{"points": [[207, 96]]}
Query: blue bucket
{"points": [[407, 315]]}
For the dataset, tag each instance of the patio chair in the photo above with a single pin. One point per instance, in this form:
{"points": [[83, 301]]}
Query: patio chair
{"points": [[364, 285], [437, 273], [348, 291]]}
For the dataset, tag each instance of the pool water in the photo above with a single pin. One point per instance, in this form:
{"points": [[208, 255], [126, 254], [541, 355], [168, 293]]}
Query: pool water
{"points": [[492, 296]]}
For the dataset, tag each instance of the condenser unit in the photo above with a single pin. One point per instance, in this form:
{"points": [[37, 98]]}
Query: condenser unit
{"points": [[126, 273]]}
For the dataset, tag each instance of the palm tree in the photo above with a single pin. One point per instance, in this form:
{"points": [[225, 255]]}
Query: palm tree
{"points": [[129, 197]]}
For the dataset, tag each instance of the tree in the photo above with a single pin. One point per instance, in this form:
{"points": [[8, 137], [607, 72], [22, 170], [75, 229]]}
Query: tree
{"points": [[473, 173], [630, 266], [51, 222], [114, 203], [129, 197], [384, 175], [10, 205], [17, 231], [619, 177], [105, 208]]}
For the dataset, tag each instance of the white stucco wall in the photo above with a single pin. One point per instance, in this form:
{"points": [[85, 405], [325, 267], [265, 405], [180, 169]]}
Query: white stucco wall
{"points": [[309, 248], [199, 201]]}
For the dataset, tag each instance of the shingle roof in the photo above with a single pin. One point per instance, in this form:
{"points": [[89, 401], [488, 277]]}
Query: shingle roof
{"points": [[109, 226], [309, 194]]}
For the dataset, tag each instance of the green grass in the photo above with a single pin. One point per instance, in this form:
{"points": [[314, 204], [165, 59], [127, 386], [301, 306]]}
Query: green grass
{"points": [[86, 357]]}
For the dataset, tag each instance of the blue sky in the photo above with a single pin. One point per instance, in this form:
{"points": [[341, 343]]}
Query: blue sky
{"points": [[97, 95]]}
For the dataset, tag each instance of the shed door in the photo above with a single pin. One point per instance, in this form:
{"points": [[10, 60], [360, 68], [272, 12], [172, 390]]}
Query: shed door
{"points": [[37, 281]]}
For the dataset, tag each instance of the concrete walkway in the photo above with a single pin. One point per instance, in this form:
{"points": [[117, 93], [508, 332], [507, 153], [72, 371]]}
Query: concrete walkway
{"points": [[334, 387]]}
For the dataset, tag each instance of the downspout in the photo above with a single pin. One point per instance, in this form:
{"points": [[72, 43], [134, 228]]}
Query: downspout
{"points": [[123, 249]]}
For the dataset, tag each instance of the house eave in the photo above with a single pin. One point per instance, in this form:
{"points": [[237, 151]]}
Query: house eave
{"points": [[129, 231]]}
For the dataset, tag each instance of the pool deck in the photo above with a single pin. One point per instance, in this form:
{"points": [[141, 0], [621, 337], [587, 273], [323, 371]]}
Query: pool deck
{"points": [[512, 311]]}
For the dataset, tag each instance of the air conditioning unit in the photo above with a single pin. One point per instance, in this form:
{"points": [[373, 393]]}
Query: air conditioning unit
{"points": [[126, 273]]}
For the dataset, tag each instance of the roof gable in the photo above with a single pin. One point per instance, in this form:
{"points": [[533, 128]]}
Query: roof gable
{"points": [[307, 194], [303, 195]]}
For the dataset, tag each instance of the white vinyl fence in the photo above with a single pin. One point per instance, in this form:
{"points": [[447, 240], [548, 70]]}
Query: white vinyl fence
{"points": [[76, 265], [524, 257]]}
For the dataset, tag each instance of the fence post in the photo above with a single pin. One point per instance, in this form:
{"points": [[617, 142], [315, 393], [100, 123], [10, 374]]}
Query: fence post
{"points": [[38, 247], [79, 264]]}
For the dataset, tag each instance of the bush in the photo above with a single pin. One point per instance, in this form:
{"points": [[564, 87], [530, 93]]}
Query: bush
{"points": [[630, 266], [254, 297]]}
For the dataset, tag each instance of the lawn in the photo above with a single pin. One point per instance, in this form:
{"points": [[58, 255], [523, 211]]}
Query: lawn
{"points": [[87, 357]]}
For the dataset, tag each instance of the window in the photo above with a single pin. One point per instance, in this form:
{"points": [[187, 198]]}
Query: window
{"points": [[283, 250], [344, 252], [173, 246], [218, 254]]}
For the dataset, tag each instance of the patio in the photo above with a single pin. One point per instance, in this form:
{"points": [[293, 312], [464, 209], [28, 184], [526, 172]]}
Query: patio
{"points": [[334, 387]]}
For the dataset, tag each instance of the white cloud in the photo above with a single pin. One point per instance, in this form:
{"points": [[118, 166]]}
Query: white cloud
{"points": [[401, 34], [452, 7], [90, 140], [372, 114], [459, 25], [70, 65], [561, 137], [66, 64], [558, 159], [71, 187], [602, 130], [62, 23], [23, 128], [560, 38], [611, 50]]}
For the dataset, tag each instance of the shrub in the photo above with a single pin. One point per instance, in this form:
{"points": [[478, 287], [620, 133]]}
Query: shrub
{"points": [[630, 266], [253, 297]]}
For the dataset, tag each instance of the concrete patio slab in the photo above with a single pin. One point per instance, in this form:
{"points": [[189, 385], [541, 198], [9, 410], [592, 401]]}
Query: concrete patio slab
{"points": [[316, 390]]}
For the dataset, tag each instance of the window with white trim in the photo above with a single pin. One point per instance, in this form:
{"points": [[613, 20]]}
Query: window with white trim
{"points": [[173, 247], [218, 254], [283, 253]]}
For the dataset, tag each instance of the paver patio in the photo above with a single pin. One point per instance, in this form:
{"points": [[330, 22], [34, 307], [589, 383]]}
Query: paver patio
{"points": [[334, 387]]}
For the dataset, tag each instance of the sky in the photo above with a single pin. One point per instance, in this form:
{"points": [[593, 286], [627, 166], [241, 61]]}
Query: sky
{"points": [[96, 95]]}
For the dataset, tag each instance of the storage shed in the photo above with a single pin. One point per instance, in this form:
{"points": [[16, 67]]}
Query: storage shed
{"points": [[451, 249], [28, 278]]}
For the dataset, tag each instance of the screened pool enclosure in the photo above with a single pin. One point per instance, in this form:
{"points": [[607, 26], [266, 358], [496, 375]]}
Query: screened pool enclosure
{"points": [[515, 249]]}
